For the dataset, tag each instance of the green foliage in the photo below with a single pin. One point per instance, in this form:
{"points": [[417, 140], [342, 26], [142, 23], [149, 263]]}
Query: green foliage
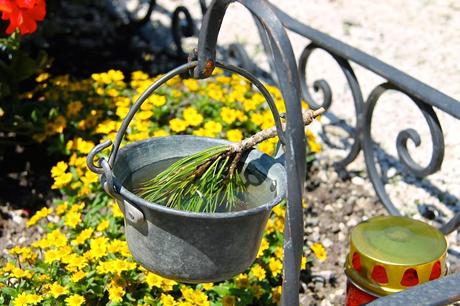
{"points": [[16, 65]]}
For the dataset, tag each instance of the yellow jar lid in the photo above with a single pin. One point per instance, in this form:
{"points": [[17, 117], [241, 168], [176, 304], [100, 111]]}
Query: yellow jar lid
{"points": [[391, 253]]}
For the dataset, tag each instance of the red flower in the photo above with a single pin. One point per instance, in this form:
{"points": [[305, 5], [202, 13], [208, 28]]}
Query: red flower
{"points": [[22, 14]]}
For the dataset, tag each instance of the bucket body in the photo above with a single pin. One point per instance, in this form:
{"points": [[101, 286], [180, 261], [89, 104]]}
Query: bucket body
{"points": [[186, 246]]}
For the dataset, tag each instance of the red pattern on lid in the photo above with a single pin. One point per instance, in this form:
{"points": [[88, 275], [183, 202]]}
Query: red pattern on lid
{"points": [[410, 278]]}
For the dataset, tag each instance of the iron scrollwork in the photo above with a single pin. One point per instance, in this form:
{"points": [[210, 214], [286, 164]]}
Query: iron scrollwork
{"points": [[323, 86], [425, 97], [403, 137]]}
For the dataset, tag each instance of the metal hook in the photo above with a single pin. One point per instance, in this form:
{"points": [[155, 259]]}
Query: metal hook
{"points": [[92, 154]]}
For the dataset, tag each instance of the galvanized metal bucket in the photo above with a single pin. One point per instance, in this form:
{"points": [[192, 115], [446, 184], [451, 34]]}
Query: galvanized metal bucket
{"points": [[187, 246]]}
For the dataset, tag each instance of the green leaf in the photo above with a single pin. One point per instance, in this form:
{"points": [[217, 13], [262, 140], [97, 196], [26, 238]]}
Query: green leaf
{"points": [[9, 291], [222, 289], [22, 67]]}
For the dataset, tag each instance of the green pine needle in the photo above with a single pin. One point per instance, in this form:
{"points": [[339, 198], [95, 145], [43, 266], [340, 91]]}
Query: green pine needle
{"points": [[201, 182]]}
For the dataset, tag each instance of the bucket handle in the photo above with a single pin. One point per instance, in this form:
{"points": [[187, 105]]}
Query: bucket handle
{"points": [[106, 166]]}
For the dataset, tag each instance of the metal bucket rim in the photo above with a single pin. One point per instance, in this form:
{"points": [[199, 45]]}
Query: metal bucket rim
{"points": [[136, 200]]}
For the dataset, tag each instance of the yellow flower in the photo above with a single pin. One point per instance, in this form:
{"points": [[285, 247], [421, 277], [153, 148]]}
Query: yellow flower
{"points": [[160, 133], [144, 115], [139, 75], [153, 280], [116, 293], [258, 272], [157, 100], [234, 135], [213, 127], [75, 262], [319, 251], [25, 298], [116, 75], [59, 169], [56, 238], [200, 132], [42, 77], [276, 294], [249, 105], [57, 290], [98, 248], [42, 213], [207, 286], [51, 256], [116, 211], [303, 263], [77, 276], [60, 209], [229, 300], [312, 140], [241, 116], [115, 266], [167, 300], [192, 117], [62, 181], [167, 284], [263, 246], [19, 273], [177, 125], [74, 300], [242, 280], [72, 219], [194, 296], [279, 211], [103, 225], [191, 84], [278, 252], [257, 119], [83, 236], [267, 147], [84, 146], [117, 246], [42, 244], [106, 127], [257, 290], [74, 108], [275, 266], [228, 115], [8, 267]]}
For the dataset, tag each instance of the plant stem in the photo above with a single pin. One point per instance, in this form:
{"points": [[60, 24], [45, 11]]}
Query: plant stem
{"points": [[307, 115]]}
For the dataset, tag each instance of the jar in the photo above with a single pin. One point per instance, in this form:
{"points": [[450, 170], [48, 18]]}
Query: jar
{"points": [[391, 253]]}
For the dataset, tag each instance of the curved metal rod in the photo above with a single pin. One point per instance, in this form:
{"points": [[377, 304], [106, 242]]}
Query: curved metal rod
{"points": [[286, 70], [451, 225], [442, 291], [203, 6], [140, 22], [92, 155], [236, 52], [368, 144], [323, 85], [179, 29]]}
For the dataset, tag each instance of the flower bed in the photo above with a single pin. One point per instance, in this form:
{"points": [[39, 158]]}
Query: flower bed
{"points": [[83, 258]]}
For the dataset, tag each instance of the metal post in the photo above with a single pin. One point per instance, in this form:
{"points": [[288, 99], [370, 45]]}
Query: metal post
{"points": [[286, 71]]}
